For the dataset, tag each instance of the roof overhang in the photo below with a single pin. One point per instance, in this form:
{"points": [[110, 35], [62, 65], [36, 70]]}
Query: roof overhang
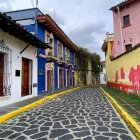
{"points": [[48, 22], [10, 26], [122, 4]]}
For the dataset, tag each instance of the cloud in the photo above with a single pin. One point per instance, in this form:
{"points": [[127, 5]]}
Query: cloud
{"points": [[85, 35], [89, 35], [58, 19], [84, 21], [5, 6]]}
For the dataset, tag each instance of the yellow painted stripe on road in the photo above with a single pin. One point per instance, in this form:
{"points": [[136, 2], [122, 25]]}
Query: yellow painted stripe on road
{"points": [[32, 105], [132, 124]]}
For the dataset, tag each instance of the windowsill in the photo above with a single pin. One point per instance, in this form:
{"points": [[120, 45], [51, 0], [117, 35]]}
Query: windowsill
{"points": [[126, 26]]}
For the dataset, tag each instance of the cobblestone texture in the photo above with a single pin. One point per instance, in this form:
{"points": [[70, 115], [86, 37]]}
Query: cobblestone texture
{"points": [[83, 114]]}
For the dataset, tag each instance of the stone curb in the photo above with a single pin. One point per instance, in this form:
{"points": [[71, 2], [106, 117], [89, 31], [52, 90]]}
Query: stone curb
{"points": [[32, 105], [131, 123]]}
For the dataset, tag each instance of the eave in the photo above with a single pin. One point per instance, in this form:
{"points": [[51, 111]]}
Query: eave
{"points": [[126, 52], [48, 22], [122, 4], [15, 29]]}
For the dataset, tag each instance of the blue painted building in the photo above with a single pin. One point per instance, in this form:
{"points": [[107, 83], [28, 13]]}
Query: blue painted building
{"points": [[56, 65]]}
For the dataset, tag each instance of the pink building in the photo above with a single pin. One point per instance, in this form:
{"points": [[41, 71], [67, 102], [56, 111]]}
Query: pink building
{"points": [[126, 18]]}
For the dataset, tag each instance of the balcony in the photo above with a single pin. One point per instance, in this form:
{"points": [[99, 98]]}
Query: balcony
{"points": [[109, 38], [61, 60], [68, 63], [50, 57]]}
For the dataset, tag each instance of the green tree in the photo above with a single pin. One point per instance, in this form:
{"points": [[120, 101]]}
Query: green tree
{"points": [[83, 59]]}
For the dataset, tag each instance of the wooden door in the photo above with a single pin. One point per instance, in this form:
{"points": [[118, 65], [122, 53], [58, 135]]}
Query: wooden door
{"points": [[1, 73], [68, 78], [49, 80], [61, 80], [25, 76]]}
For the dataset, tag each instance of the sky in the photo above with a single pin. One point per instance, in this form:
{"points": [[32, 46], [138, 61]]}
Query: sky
{"points": [[84, 21]]}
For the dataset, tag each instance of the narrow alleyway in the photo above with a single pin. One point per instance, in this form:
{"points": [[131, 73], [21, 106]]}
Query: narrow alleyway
{"points": [[84, 114]]}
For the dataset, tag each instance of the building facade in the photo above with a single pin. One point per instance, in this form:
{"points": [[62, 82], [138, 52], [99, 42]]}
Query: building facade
{"points": [[18, 62], [123, 48], [126, 18], [55, 66]]}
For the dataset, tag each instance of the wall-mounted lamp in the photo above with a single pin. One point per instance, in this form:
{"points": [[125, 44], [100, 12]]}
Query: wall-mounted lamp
{"points": [[118, 42], [130, 39]]}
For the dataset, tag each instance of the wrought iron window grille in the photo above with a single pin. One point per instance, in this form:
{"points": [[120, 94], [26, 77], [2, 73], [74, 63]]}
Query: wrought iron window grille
{"points": [[7, 71]]}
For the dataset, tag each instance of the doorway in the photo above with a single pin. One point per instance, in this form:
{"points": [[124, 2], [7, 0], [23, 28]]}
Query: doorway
{"points": [[50, 80], [68, 78], [61, 78], [1, 73], [26, 77]]}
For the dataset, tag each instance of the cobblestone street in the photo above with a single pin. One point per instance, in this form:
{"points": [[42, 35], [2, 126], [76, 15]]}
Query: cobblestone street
{"points": [[83, 114]]}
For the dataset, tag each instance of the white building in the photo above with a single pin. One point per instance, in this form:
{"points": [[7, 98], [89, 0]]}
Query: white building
{"points": [[103, 73], [18, 62]]}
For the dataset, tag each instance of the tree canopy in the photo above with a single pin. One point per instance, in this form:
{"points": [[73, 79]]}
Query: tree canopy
{"points": [[84, 58]]}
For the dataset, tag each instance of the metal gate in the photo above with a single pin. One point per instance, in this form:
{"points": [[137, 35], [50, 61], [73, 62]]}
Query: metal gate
{"points": [[5, 69]]}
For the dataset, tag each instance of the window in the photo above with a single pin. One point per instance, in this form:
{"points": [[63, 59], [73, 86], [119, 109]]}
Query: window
{"points": [[126, 20], [67, 54], [128, 47], [60, 51], [101, 68], [5, 69]]}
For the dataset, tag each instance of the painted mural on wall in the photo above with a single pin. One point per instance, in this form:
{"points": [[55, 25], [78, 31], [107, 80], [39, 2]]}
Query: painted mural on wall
{"points": [[133, 76], [124, 72]]}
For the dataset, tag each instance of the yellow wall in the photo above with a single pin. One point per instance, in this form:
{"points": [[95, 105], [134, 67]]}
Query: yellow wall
{"points": [[127, 61]]}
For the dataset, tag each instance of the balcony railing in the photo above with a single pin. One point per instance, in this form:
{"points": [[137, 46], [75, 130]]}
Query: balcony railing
{"points": [[50, 57], [60, 59]]}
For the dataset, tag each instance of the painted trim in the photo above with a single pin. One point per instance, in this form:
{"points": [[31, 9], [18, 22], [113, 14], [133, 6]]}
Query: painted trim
{"points": [[66, 78], [122, 87], [58, 76], [33, 105], [131, 123], [46, 88]]}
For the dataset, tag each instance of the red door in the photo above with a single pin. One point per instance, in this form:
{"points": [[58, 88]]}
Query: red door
{"points": [[68, 78], [1, 73], [25, 76]]}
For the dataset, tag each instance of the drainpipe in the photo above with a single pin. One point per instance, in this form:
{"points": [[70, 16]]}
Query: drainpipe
{"points": [[120, 28], [36, 26]]}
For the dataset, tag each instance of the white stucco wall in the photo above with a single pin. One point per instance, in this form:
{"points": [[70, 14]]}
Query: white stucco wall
{"points": [[16, 46], [103, 76]]}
